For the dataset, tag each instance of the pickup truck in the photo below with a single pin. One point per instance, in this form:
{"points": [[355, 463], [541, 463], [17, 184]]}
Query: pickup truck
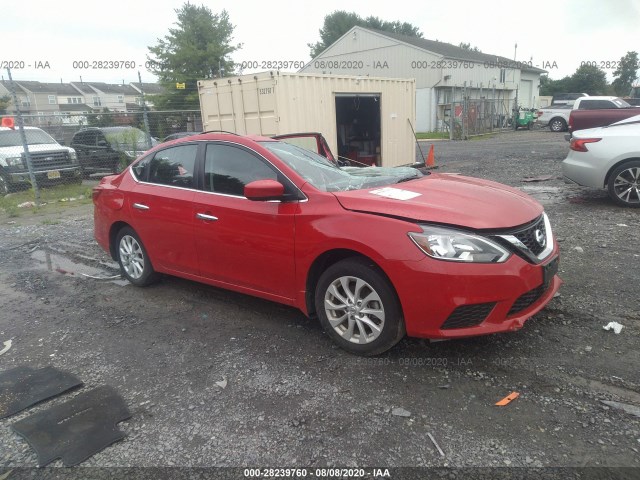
{"points": [[557, 117], [52, 162], [583, 119]]}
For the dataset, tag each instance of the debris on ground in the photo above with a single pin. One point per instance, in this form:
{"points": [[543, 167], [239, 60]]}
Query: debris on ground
{"points": [[615, 326], [542, 178], [222, 384], [7, 346], [433, 440], [625, 407], [508, 399]]}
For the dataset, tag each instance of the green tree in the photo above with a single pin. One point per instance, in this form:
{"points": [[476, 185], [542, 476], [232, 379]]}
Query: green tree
{"points": [[467, 46], [550, 87], [626, 74], [197, 48], [589, 79], [340, 22]]}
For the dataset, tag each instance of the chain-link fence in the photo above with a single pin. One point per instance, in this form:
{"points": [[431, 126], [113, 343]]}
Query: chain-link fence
{"points": [[48, 149], [470, 117]]}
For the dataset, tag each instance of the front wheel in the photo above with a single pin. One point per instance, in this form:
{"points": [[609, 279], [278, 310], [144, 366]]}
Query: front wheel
{"points": [[133, 258], [358, 308], [624, 184]]}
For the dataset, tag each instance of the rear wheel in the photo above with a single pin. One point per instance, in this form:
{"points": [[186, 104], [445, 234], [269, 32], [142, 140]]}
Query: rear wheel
{"points": [[358, 308], [133, 258], [557, 125], [624, 184]]}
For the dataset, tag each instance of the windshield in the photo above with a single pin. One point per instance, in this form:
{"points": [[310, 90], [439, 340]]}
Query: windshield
{"points": [[12, 138], [123, 138], [621, 103], [328, 177]]}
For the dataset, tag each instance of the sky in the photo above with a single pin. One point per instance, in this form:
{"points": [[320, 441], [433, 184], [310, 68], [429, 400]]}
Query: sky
{"points": [[46, 38]]}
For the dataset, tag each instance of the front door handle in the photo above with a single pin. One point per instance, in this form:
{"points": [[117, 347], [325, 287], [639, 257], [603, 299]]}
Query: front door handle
{"points": [[204, 216], [140, 206]]}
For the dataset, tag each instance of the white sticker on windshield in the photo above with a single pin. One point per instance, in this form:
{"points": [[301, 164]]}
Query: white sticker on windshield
{"points": [[395, 193]]}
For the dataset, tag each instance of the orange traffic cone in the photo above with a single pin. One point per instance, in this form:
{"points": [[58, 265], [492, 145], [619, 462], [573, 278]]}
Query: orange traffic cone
{"points": [[431, 161]]}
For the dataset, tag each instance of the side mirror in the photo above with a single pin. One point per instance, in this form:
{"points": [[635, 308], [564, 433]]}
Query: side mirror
{"points": [[264, 190]]}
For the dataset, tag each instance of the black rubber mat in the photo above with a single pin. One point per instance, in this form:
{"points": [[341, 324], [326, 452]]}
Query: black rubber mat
{"points": [[22, 387], [77, 429]]}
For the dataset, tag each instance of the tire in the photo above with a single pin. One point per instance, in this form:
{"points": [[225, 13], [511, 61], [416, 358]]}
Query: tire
{"points": [[337, 294], [529, 125], [134, 261], [557, 125], [624, 184]]}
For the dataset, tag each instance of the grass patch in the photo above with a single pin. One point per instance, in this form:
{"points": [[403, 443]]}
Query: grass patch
{"points": [[433, 135], [49, 221], [60, 195]]}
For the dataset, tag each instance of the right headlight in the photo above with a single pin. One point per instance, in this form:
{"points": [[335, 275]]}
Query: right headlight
{"points": [[457, 246]]}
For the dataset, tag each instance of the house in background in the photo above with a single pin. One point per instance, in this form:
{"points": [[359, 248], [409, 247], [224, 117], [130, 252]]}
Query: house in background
{"points": [[444, 73]]}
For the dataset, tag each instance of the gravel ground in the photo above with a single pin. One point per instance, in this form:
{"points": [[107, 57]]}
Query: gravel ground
{"points": [[215, 378]]}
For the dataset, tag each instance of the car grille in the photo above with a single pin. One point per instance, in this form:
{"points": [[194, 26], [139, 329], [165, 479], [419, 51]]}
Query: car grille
{"points": [[49, 160], [468, 316], [528, 236], [532, 242]]}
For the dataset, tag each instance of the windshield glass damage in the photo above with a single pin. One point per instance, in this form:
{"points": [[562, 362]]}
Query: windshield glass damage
{"points": [[328, 177]]}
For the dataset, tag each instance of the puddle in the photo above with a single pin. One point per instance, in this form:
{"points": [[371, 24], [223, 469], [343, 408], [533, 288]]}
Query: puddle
{"points": [[65, 266], [546, 195]]}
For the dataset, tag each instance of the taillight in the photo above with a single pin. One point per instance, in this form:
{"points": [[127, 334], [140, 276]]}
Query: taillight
{"points": [[580, 144]]}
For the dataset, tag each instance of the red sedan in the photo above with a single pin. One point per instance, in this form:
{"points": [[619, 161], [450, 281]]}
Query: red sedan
{"points": [[374, 253]]}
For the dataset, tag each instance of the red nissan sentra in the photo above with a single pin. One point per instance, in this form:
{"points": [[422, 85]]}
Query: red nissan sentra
{"points": [[374, 253]]}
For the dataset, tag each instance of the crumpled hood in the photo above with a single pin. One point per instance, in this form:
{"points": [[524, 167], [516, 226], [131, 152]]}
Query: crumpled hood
{"points": [[448, 199]]}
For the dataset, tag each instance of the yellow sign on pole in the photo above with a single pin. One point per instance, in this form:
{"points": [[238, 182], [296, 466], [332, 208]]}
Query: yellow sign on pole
{"points": [[180, 86]]}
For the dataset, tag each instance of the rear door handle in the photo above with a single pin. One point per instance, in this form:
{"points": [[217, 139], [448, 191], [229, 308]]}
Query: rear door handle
{"points": [[204, 216], [140, 206]]}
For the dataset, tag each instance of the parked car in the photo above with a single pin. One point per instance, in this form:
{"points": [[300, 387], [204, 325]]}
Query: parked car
{"points": [[175, 136], [583, 119], [373, 252], [109, 149], [566, 98], [52, 163], [607, 157], [557, 116]]}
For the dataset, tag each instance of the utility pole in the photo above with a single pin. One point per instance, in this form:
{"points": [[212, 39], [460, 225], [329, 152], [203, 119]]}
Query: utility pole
{"points": [[145, 117]]}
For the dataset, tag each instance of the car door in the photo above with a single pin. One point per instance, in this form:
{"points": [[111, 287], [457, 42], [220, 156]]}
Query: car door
{"points": [[249, 244], [161, 207]]}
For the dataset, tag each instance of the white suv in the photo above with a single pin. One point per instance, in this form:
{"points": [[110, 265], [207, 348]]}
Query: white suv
{"points": [[52, 162]]}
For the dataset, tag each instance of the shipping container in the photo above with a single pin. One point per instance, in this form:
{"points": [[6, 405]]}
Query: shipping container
{"points": [[363, 118]]}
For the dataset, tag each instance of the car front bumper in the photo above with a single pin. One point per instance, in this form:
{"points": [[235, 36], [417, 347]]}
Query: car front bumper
{"points": [[450, 300]]}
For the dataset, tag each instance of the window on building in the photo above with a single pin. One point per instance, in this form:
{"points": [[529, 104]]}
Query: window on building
{"points": [[120, 98], [503, 75], [52, 100], [96, 102]]}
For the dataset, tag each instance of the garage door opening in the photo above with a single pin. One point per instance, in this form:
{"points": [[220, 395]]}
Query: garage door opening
{"points": [[359, 127]]}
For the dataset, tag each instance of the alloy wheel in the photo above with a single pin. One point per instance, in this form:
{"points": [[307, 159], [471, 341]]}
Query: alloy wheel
{"points": [[354, 310], [131, 256], [626, 185]]}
